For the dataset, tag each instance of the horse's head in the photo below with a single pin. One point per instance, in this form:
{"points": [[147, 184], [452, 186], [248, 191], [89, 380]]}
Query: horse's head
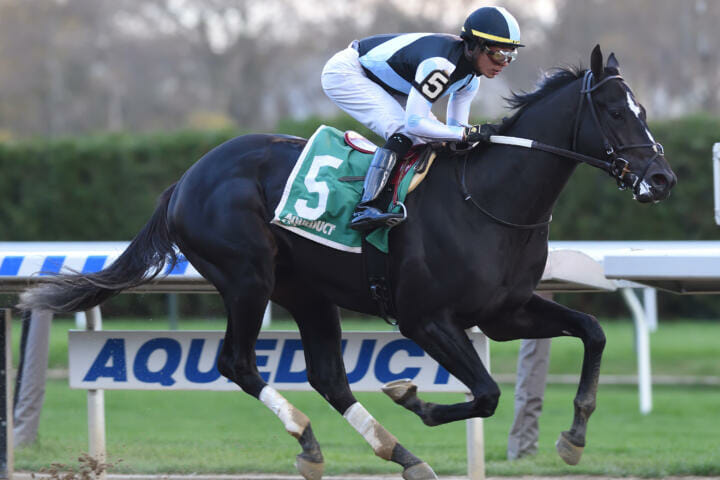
{"points": [[611, 124]]}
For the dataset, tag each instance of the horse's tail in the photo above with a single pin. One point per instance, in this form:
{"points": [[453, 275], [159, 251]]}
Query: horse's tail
{"points": [[142, 261]]}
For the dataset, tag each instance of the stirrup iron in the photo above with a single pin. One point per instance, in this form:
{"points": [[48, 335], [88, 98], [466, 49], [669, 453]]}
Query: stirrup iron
{"points": [[391, 222]]}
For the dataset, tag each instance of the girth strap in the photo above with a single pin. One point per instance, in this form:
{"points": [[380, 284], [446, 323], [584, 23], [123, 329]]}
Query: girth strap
{"points": [[378, 277]]}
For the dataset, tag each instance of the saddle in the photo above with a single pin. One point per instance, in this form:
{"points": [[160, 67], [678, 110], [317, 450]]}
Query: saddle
{"points": [[420, 158], [326, 183]]}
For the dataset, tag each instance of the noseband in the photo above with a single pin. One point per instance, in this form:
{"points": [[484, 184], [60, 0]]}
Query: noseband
{"points": [[617, 167]]}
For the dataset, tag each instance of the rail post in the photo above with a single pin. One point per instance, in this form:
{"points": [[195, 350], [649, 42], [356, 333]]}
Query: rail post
{"points": [[642, 345], [96, 405], [474, 426], [6, 399]]}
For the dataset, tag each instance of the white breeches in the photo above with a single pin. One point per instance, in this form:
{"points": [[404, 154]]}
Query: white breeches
{"points": [[345, 82]]}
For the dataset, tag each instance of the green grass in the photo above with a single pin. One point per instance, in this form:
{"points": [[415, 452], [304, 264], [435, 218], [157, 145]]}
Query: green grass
{"points": [[677, 348], [222, 432]]}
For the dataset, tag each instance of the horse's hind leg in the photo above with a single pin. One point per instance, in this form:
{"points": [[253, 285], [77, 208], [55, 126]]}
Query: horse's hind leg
{"points": [[245, 283], [319, 324], [541, 318]]}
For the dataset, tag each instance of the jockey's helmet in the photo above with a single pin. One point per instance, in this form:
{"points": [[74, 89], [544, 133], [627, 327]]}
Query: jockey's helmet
{"points": [[491, 26]]}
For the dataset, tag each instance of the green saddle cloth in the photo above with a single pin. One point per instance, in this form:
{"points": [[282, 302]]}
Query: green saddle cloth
{"points": [[317, 204]]}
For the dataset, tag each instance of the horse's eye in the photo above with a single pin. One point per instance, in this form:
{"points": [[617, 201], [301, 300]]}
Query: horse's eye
{"points": [[616, 114]]}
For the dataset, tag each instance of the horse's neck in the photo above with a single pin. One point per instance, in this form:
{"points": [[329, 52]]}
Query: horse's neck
{"points": [[524, 184]]}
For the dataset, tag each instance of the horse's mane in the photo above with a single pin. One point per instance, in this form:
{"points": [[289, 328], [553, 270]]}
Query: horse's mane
{"points": [[550, 82]]}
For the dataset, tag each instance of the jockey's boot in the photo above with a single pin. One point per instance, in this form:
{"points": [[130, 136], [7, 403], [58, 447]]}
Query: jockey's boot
{"points": [[366, 216]]}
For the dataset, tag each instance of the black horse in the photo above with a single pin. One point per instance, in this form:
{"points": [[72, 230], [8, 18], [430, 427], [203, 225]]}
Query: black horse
{"points": [[452, 266]]}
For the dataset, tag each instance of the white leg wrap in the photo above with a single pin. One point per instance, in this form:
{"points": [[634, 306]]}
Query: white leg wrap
{"points": [[381, 441], [293, 419]]}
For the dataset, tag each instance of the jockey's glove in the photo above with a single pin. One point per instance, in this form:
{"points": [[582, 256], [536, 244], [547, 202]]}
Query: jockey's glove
{"points": [[480, 133]]}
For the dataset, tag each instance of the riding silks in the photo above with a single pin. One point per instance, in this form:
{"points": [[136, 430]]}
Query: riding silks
{"points": [[323, 189]]}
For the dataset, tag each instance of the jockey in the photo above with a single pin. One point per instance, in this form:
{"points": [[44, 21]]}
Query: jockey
{"points": [[390, 82]]}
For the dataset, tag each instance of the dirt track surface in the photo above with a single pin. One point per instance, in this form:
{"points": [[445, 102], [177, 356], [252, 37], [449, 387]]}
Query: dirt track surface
{"points": [[40, 476]]}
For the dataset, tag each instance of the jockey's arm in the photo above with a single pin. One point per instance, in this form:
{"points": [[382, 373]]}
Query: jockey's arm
{"points": [[420, 122], [458, 108], [430, 83]]}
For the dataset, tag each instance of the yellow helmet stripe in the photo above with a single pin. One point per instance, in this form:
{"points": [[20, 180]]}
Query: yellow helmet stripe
{"points": [[494, 38]]}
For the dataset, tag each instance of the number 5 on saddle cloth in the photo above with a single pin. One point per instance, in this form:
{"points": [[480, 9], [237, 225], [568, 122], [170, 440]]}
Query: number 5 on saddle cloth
{"points": [[326, 184]]}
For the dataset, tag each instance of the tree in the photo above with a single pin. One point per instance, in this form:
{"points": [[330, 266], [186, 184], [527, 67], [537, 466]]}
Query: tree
{"points": [[77, 66], [666, 48]]}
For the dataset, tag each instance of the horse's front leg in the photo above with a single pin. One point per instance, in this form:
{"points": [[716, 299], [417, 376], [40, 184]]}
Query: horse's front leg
{"points": [[450, 346], [541, 318]]}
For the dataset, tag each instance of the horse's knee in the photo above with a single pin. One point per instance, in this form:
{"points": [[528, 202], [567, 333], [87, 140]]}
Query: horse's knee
{"points": [[485, 403], [597, 340], [595, 336]]}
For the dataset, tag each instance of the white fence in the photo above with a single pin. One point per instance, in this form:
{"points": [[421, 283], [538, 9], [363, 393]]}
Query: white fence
{"points": [[571, 266]]}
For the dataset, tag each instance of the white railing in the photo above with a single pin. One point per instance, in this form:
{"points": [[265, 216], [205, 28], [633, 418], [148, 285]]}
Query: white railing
{"points": [[571, 267]]}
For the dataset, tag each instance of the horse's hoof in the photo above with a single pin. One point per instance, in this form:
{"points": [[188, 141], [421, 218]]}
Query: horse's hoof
{"points": [[400, 390], [419, 471], [309, 470], [567, 450]]}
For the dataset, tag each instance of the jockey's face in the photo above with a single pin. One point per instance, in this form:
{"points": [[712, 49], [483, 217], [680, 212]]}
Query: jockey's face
{"points": [[488, 64]]}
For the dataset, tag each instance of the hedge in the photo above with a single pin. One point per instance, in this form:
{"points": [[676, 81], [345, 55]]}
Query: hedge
{"points": [[97, 188], [104, 187]]}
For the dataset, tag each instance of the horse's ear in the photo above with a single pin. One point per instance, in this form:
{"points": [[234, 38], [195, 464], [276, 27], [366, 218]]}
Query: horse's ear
{"points": [[596, 62], [612, 62]]}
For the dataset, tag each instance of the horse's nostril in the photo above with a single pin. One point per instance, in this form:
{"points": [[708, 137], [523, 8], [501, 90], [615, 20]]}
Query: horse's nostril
{"points": [[659, 181]]}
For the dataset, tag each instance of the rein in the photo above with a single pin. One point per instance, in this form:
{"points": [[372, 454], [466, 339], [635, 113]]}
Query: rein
{"points": [[617, 167], [492, 217]]}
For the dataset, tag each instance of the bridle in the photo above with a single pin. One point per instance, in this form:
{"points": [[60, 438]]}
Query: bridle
{"points": [[616, 166]]}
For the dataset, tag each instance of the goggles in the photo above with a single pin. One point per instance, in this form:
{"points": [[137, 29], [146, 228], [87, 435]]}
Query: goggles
{"points": [[501, 56]]}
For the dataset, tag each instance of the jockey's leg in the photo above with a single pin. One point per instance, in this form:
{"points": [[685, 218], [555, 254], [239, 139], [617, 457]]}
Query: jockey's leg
{"points": [[344, 81], [346, 84], [366, 215]]}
